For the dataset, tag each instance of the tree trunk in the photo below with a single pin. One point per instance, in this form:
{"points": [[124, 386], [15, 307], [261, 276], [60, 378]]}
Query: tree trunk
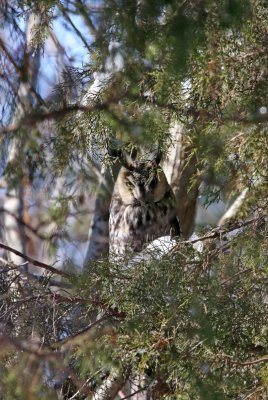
{"points": [[180, 169], [98, 245], [15, 201]]}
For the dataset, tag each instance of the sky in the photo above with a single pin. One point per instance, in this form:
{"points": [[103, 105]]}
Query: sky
{"points": [[75, 54]]}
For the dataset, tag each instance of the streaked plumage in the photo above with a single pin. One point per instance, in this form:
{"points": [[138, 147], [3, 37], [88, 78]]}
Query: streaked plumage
{"points": [[142, 207]]}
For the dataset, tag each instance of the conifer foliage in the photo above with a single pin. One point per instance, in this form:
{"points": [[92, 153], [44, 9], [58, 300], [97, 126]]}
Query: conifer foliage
{"points": [[186, 323]]}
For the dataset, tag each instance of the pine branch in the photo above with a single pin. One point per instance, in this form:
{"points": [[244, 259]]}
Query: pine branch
{"points": [[35, 117]]}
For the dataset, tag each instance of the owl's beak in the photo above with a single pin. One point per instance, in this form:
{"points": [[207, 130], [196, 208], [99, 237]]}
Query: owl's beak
{"points": [[138, 193], [139, 203]]}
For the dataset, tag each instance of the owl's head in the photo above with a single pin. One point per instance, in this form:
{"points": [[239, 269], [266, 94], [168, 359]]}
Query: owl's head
{"points": [[141, 181]]}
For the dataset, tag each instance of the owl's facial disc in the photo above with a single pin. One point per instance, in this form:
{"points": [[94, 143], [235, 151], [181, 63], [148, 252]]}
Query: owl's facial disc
{"points": [[144, 185]]}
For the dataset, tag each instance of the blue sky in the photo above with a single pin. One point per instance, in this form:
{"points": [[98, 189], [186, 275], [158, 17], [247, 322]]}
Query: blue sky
{"points": [[76, 53]]}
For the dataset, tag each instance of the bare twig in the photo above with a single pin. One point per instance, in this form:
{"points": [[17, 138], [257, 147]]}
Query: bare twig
{"points": [[81, 37], [77, 335], [6, 340], [81, 10], [244, 271], [218, 232], [248, 363], [21, 71], [35, 262], [35, 231], [22, 222], [136, 392], [35, 117], [9, 57]]}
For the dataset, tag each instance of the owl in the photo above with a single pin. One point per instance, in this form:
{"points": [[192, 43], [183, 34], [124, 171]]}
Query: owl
{"points": [[142, 206]]}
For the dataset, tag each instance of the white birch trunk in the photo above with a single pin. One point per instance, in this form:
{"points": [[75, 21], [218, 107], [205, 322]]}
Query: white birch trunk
{"points": [[13, 202], [180, 169], [98, 236]]}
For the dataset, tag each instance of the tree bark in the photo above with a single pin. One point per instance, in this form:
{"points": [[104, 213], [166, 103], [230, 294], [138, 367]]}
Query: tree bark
{"points": [[14, 201], [98, 245], [180, 169]]}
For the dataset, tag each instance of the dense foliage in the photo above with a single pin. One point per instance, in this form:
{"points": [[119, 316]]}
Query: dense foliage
{"points": [[189, 325]]}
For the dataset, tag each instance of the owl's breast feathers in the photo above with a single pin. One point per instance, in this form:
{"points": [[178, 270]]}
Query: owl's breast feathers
{"points": [[134, 225]]}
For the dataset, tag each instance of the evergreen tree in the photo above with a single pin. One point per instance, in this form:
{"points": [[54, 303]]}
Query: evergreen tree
{"points": [[184, 324]]}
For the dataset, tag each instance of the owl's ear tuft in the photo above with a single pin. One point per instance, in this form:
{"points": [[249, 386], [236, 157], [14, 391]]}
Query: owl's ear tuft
{"points": [[156, 157], [133, 153], [127, 158]]}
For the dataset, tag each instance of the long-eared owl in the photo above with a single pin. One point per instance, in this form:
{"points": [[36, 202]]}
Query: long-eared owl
{"points": [[142, 206]]}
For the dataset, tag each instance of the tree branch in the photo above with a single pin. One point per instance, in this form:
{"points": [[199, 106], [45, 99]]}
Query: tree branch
{"points": [[76, 30], [72, 340], [35, 262], [35, 117], [218, 232], [136, 392], [248, 363], [81, 10], [6, 340]]}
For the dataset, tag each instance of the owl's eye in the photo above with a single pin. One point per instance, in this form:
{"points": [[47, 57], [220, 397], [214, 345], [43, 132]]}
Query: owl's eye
{"points": [[129, 184]]}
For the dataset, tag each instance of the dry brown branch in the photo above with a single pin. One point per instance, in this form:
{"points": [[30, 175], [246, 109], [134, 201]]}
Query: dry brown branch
{"points": [[45, 280], [35, 262], [76, 30], [22, 222], [85, 333], [244, 271], [21, 71], [9, 57], [35, 117], [247, 363], [134, 393], [88, 21], [6, 340], [215, 233]]}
